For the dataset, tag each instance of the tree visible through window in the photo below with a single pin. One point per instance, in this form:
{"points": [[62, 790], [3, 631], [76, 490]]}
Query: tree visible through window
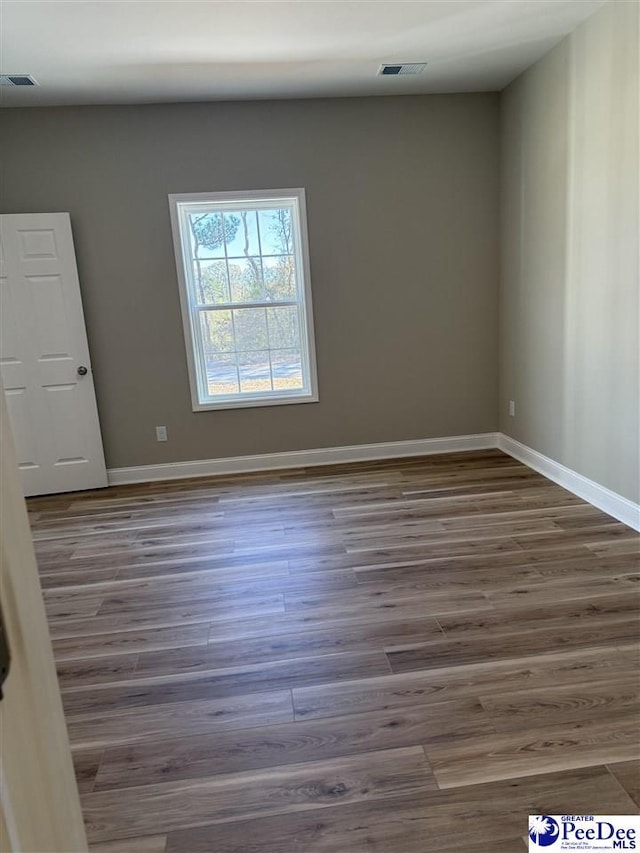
{"points": [[243, 272]]}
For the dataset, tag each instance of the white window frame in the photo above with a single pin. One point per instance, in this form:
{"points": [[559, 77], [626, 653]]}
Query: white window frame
{"points": [[180, 205]]}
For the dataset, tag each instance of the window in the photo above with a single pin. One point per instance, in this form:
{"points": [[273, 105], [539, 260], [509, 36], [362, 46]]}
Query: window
{"points": [[243, 272]]}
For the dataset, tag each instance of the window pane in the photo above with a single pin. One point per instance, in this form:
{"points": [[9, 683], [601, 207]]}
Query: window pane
{"points": [[242, 237], [246, 280], [211, 282], [283, 327], [276, 236], [251, 329], [217, 332], [208, 234], [280, 277], [286, 366], [255, 371], [222, 374]]}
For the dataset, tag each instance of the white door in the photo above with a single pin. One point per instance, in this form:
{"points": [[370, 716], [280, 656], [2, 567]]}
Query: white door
{"points": [[44, 357]]}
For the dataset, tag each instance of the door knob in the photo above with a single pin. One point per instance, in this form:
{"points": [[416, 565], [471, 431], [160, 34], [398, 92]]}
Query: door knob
{"points": [[82, 370]]}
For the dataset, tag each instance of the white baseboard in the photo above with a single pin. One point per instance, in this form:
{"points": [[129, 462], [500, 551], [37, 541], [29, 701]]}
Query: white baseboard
{"points": [[615, 505], [599, 496], [302, 458]]}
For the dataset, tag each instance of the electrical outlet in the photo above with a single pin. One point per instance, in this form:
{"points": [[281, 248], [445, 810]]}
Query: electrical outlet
{"points": [[161, 433], [512, 408]]}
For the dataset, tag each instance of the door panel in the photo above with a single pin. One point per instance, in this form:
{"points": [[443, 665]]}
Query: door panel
{"points": [[50, 316], [22, 420], [42, 343], [38, 243], [68, 438]]}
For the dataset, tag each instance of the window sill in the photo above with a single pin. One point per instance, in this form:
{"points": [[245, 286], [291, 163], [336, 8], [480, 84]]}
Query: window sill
{"points": [[254, 402]]}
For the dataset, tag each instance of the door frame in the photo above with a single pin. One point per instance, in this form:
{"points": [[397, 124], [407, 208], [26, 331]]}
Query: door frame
{"points": [[39, 803]]}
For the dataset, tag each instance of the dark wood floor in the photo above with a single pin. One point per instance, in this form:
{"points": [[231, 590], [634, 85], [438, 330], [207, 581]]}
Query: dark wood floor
{"points": [[397, 657]]}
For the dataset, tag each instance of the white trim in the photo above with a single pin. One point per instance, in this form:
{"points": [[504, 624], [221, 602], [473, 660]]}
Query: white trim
{"points": [[302, 458], [7, 815], [295, 200], [599, 496]]}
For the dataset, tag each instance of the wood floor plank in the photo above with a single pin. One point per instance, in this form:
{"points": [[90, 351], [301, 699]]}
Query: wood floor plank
{"points": [[441, 538], [190, 522], [289, 743], [189, 584], [515, 643], [478, 817], [427, 686], [591, 565], [239, 681], [447, 546], [170, 589], [218, 654], [538, 591], [583, 702], [62, 579], [86, 764], [158, 722], [351, 613], [228, 568], [439, 502], [270, 662], [188, 613], [443, 578], [628, 774], [242, 796], [604, 609], [601, 539], [147, 844], [88, 606], [627, 543], [511, 555], [578, 513], [154, 550], [532, 751], [370, 596], [134, 567], [80, 672], [99, 645]]}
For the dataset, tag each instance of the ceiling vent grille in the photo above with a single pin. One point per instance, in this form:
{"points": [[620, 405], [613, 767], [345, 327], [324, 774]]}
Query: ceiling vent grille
{"points": [[397, 68], [17, 80]]}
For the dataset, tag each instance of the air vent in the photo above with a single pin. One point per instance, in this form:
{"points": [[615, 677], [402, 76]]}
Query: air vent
{"points": [[17, 80], [393, 69]]}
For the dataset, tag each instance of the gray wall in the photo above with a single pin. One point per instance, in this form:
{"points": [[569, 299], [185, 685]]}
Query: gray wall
{"points": [[402, 198], [569, 349]]}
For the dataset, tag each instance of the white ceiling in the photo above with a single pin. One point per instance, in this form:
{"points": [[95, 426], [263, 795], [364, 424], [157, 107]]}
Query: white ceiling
{"points": [[137, 51]]}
